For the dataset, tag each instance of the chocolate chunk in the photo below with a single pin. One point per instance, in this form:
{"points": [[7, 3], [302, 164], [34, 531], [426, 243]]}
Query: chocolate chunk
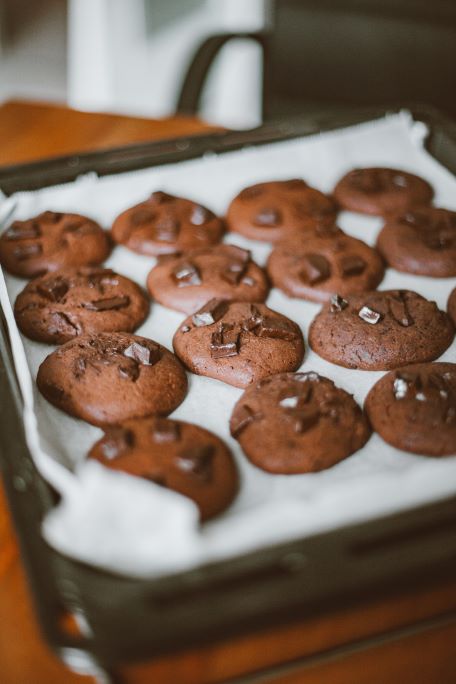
{"points": [[158, 479], [54, 290], [315, 269], [369, 315], [129, 371], [197, 461], [254, 319], [199, 215], [161, 197], [79, 368], [107, 304], [23, 231], [60, 322], [165, 431], [399, 180], [251, 193], [268, 217], [224, 342], [309, 376], [400, 388], [234, 272], [52, 392], [307, 417], [352, 265], [146, 356], [117, 440], [399, 311], [295, 184], [27, 251], [238, 253], [210, 313], [167, 229], [51, 216], [185, 274], [275, 328], [338, 303], [141, 216], [243, 416]]}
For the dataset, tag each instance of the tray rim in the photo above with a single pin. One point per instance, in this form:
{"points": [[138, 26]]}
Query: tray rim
{"points": [[38, 554]]}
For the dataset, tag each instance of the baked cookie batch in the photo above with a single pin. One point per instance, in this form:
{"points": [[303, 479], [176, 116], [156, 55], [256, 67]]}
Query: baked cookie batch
{"points": [[286, 422]]}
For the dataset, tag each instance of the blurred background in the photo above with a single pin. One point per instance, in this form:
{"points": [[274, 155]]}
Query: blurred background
{"points": [[129, 56], [246, 60]]}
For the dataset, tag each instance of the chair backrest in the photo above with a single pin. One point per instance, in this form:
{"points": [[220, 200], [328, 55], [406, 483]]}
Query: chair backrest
{"points": [[323, 53]]}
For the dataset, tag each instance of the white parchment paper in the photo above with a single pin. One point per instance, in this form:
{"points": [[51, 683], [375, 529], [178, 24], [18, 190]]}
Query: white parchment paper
{"points": [[134, 527]]}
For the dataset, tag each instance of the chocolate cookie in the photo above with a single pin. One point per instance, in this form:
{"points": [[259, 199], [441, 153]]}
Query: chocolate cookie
{"points": [[421, 241], [314, 267], [298, 423], [177, 455], [270, 211], [414, 408], [111, 377], [451, 305], [381, 191], [187, 282], [380, 330], [165, 224], [61, 305], [238, 343], [51, 241]]}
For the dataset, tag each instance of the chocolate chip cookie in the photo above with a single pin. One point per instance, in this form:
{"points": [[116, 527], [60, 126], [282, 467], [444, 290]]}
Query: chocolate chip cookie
{"points": [[270, 211], [186, 283], [238, 343], [173, 454], [298, 423], [165, 224], [315, 267], [380, 330], [112, 377], [64, 304], [50, 241], [381, 191], [414, 408], [421, 241]]}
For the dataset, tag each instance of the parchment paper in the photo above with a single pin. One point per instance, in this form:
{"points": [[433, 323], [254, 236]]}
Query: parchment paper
{"points": [[134, 527]]}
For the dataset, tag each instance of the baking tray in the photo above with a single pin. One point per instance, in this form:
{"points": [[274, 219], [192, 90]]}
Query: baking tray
{"points": [[123, 620]]}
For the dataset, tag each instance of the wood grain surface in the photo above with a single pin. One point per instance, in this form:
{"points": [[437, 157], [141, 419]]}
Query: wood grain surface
{"points": [[403, 638]]}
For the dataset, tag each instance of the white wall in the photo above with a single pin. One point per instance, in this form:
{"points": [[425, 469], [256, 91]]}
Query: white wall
{"points": [[129, 55]]}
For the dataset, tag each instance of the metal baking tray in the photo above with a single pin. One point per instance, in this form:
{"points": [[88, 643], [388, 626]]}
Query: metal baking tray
{"points": [[129, 620]]}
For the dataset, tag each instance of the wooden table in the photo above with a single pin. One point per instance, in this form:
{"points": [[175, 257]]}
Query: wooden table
{"points": [[402, 638]]}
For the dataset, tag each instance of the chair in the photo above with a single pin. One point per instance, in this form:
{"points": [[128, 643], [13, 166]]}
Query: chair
{"points": [[330, 55]]}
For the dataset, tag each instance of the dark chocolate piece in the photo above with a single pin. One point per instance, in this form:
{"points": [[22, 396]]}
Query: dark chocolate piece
{"points": [[117, 441], [107, 304], [268, 217], [197, 461], [164, 431], [146, 356], [54, 290], [225, 342], [210, 313], [316, 268], [338, 303], [185, 274], [352, 265]]}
